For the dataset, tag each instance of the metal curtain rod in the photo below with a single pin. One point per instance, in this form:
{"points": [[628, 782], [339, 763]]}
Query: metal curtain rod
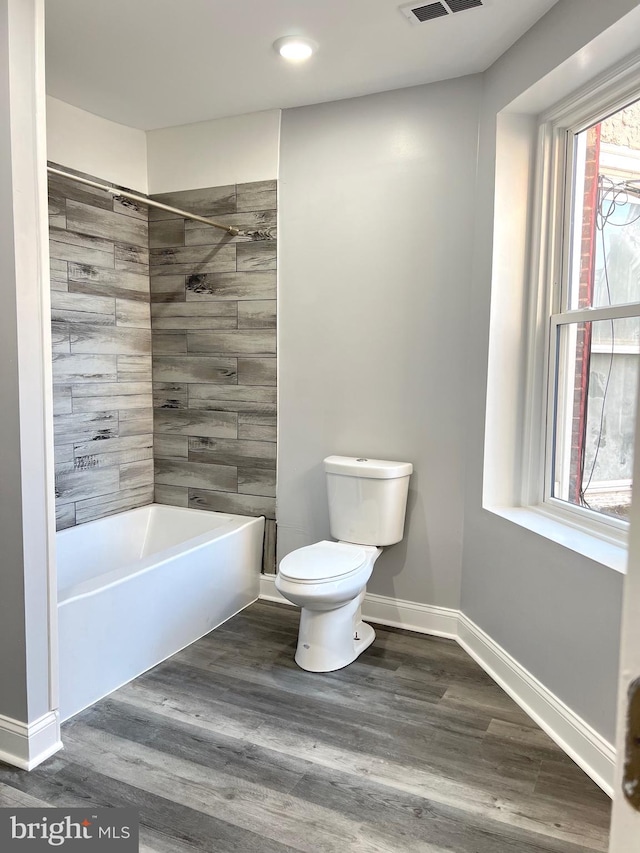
{"points": [[234, 232]]}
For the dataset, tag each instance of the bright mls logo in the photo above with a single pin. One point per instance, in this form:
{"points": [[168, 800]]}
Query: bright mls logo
{"points": [[35, 830]]}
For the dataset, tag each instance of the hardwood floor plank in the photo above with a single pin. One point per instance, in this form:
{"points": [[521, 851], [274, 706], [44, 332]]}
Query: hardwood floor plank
{"points": [[73, 785], [12, 798], [222, 753], [411, 817], [251, 807]]}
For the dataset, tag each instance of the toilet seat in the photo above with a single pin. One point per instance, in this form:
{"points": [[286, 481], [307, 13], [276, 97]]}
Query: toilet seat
{"points": [[323, 561]]}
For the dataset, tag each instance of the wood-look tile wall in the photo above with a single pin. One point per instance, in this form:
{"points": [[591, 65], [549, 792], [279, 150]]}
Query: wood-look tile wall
{"points": [[214, 353], [101, 329]]}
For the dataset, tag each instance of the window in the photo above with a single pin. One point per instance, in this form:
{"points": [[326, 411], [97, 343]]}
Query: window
{"points": [[594, 330]]}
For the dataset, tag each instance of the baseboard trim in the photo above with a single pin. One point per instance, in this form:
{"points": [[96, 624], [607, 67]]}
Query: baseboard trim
{"points": [[595, 755], [268, 591], [28, 745], [435, 621], [379, 609]]}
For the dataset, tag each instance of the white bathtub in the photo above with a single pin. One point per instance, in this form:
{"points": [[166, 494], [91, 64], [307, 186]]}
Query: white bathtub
{"points": [[137, 587]]}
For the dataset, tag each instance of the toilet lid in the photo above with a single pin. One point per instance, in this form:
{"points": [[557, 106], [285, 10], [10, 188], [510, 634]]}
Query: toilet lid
{"points": [[322, 561]]}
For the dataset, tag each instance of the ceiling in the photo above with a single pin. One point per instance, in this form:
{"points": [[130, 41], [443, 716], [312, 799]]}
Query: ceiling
{"points": [[158, 63]]}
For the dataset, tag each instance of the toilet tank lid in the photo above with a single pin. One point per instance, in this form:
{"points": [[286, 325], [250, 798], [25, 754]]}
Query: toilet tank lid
{"points": [[377, 469]]}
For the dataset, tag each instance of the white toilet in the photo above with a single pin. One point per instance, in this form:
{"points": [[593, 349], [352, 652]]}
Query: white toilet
{"points": [[367, 504]]}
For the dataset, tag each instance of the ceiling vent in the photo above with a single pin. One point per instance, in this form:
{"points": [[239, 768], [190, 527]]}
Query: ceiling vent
{"points": [[420, 13], [462, 5]]}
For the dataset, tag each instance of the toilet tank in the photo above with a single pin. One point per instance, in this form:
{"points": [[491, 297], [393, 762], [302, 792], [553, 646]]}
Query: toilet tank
{"points": [[367, 499]]}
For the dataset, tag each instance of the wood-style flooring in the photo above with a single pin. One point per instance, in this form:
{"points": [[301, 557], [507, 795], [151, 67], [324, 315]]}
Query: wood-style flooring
{"points": [[228, 746]]}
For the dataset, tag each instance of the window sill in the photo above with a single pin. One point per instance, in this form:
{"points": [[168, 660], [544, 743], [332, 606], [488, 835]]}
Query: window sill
{"points": [[609, 554]]}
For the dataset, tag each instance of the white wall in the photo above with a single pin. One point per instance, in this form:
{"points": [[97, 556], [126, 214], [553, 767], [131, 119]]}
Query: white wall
{"points": [[88, 143], [214, 153], [376, 222], [556, 612], [207, 154]]}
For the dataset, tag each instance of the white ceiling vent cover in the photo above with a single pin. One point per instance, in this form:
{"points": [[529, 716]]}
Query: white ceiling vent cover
{"points": [[420, 13]]}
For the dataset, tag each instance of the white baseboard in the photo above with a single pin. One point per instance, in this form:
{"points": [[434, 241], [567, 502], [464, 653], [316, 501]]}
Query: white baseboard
{"points": [[436, 621], [28, 745], [268, 591], [595, 755]]}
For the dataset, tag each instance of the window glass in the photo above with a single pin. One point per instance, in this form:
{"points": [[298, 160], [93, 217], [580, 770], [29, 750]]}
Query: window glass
{"points": [[597, 377], [604, 265]]}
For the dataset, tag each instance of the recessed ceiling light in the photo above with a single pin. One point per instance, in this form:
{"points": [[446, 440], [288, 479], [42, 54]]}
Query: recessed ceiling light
{"points": [[295, 48]]}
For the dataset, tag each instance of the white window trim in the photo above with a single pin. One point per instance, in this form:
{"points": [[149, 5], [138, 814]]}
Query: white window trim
{"points": [[547, 516]]}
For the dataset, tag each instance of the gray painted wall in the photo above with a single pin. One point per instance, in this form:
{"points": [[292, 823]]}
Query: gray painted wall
{"points": [[556, 612], [12, 604], [376, 218], [27, 624], [385, 287]]}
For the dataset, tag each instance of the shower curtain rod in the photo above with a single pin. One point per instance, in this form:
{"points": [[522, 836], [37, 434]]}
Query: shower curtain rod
{"points": [[233, 232]]}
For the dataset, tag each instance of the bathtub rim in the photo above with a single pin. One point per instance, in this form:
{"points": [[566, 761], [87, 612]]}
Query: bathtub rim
{"points": [[106, 580]]}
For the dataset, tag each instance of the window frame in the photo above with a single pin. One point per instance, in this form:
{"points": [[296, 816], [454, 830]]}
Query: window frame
{"points": [[550, 266]]}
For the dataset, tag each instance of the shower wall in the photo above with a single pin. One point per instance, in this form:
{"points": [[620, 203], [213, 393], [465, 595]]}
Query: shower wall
{"points": [[214, 353], [208, 421], [101, 328]]}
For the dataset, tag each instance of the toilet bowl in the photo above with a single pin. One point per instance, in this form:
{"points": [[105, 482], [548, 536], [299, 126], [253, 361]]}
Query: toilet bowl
{"points": [[367, 503], [327, 581]]}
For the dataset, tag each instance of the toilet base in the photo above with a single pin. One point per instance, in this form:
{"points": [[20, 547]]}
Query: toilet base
{"points": [[332, 639]]}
